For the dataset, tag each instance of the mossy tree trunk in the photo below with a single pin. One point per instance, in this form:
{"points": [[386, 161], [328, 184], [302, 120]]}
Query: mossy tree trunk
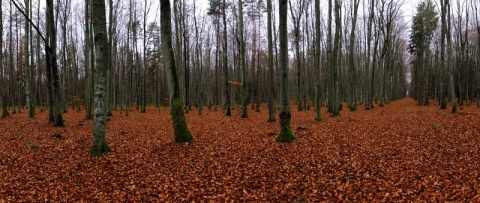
{"points": [[286, 134], [182, 134], [99, 145]]}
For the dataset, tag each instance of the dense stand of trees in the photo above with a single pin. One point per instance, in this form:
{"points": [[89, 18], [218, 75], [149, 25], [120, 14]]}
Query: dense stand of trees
{"points": [[227, 55]]}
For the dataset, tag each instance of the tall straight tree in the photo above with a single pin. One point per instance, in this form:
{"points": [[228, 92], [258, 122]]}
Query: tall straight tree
{"points": [[242, 61], [443, 15], [225, 61], [99, 145], [88, 66], [55, 113], [28, 66], [286, 134], [318, 104], [297, 14], [270, 90], [478, 51], [352, 69], [451, 86], [182, 134], [2, 90], [335, 59]]}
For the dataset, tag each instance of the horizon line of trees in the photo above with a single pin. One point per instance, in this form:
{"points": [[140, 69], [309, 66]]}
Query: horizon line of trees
{"points": [[359, 52]]}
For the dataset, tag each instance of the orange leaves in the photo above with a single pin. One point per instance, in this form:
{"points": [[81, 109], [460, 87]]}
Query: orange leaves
{"points": [[398, 153]]}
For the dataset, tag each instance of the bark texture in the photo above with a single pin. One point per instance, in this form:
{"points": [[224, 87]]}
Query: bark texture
{"points": [[100, 145], [182, 134], [286, 134]]}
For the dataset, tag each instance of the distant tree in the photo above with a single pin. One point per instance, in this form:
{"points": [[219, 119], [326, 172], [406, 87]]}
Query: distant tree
{"points": [[423, 26], [270, 90], [182, 134], [286, 134], [28, 66], [242, 60], [296, 14], [2, 90], [318, 104], [225, 61], [100, 145]]}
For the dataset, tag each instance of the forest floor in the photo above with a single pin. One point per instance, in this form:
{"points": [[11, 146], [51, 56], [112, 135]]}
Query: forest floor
{"points": [[397, 153]]}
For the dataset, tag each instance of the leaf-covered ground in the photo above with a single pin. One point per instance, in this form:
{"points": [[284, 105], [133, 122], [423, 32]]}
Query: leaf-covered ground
{"points": [[397, 153]]}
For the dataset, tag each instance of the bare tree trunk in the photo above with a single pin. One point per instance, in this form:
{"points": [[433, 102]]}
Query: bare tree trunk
{"points": [[242, 61], [225, 61], [88, 66], [182, 134], [28, 65], [286, 134], [352, 102], [317, 59], [443, 13], [2, 90], [270, 90], [52, 70], [336, 103], [450, 67], [99, 145]]}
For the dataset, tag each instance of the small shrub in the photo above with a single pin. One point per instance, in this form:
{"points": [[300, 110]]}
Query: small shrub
{"points": [[31, 145], [435, 127]]}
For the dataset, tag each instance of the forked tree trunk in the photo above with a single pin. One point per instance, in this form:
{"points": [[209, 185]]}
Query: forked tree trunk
{"points": [[182, 134]]}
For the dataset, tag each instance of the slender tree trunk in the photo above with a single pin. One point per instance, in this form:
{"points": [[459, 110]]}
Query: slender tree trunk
{"points": [[182, 134], [317, 59], [286, 134], [242, 62], [88, 66], [352, 102], [225, 61], [270, 90], [449, 64], [443, 13], [28, 66], [3, 89], [335, 60], [111, 57]]}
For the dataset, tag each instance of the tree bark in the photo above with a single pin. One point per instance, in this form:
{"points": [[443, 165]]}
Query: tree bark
{"points": [[317, 59], [2, 90], [286, 134], [225, 61], [55, 114], [242, 61], [270, 90], [182, 134], [99, 145]]}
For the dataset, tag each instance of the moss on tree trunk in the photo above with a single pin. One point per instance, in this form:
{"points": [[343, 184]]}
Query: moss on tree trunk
{"points": [[180, 129]]}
